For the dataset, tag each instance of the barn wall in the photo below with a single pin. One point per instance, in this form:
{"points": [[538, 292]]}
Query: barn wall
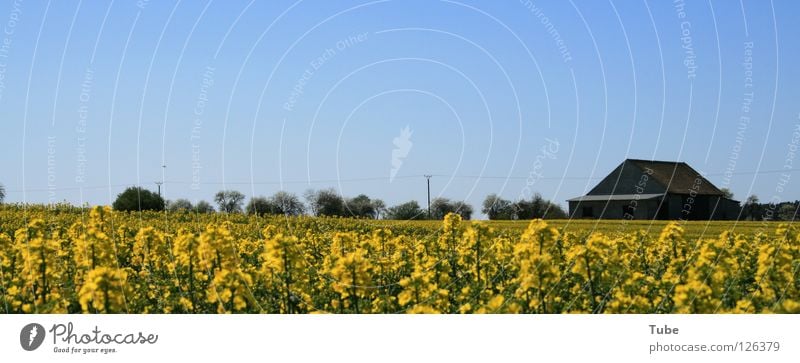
{"points": [[648, 209], [674, 206], [645, 209], [726, 209]]}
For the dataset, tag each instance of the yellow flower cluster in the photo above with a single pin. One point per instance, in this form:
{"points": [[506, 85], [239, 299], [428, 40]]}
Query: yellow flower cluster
{"points": [[100, 261], [104, 291]]}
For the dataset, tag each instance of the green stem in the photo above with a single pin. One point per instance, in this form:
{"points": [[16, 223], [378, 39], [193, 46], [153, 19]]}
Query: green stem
{"points": [[353, 289], [191, 282], [287, 280], [43, 270], [589, 276]]}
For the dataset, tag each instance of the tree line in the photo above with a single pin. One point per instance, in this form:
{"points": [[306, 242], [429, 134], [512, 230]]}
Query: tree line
{"points": [[328, 202], [754, 210]]}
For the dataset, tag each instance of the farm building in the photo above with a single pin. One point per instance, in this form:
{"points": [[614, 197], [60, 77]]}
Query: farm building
{"points": [[644, 189]]}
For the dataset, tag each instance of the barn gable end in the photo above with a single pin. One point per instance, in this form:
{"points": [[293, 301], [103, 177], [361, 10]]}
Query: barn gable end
{"points": [[629, 178]]}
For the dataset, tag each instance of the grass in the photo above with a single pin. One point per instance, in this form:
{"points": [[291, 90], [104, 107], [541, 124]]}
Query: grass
{"points": [[693, 229]]}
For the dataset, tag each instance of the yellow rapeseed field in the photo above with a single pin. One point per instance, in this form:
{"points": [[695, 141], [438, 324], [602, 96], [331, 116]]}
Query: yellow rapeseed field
{"points": [[72, 260]]}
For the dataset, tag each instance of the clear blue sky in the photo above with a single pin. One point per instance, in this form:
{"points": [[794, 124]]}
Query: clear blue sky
{"points": [[96, 96]]}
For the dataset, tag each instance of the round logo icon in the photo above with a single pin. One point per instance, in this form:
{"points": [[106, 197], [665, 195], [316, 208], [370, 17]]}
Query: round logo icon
{"points": [[31, 336]]}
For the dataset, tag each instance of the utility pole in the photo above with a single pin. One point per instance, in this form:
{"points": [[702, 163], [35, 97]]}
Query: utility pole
{"points": [[163, 172], [429, 194]]}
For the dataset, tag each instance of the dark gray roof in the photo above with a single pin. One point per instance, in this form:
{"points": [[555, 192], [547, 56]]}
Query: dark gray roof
{"points": [[605, 198], [677, 177]]}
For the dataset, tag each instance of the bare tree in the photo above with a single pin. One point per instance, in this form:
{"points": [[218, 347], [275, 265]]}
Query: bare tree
{"points": [[287, 204], [379, 207], [229, 201]]}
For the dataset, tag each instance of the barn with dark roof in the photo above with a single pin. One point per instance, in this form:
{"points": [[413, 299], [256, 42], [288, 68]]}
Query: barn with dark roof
{"points": [[645, 189]]}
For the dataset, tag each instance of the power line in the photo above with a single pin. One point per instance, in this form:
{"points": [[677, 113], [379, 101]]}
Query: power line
{"points": [[363, 179], [175, 182]]}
